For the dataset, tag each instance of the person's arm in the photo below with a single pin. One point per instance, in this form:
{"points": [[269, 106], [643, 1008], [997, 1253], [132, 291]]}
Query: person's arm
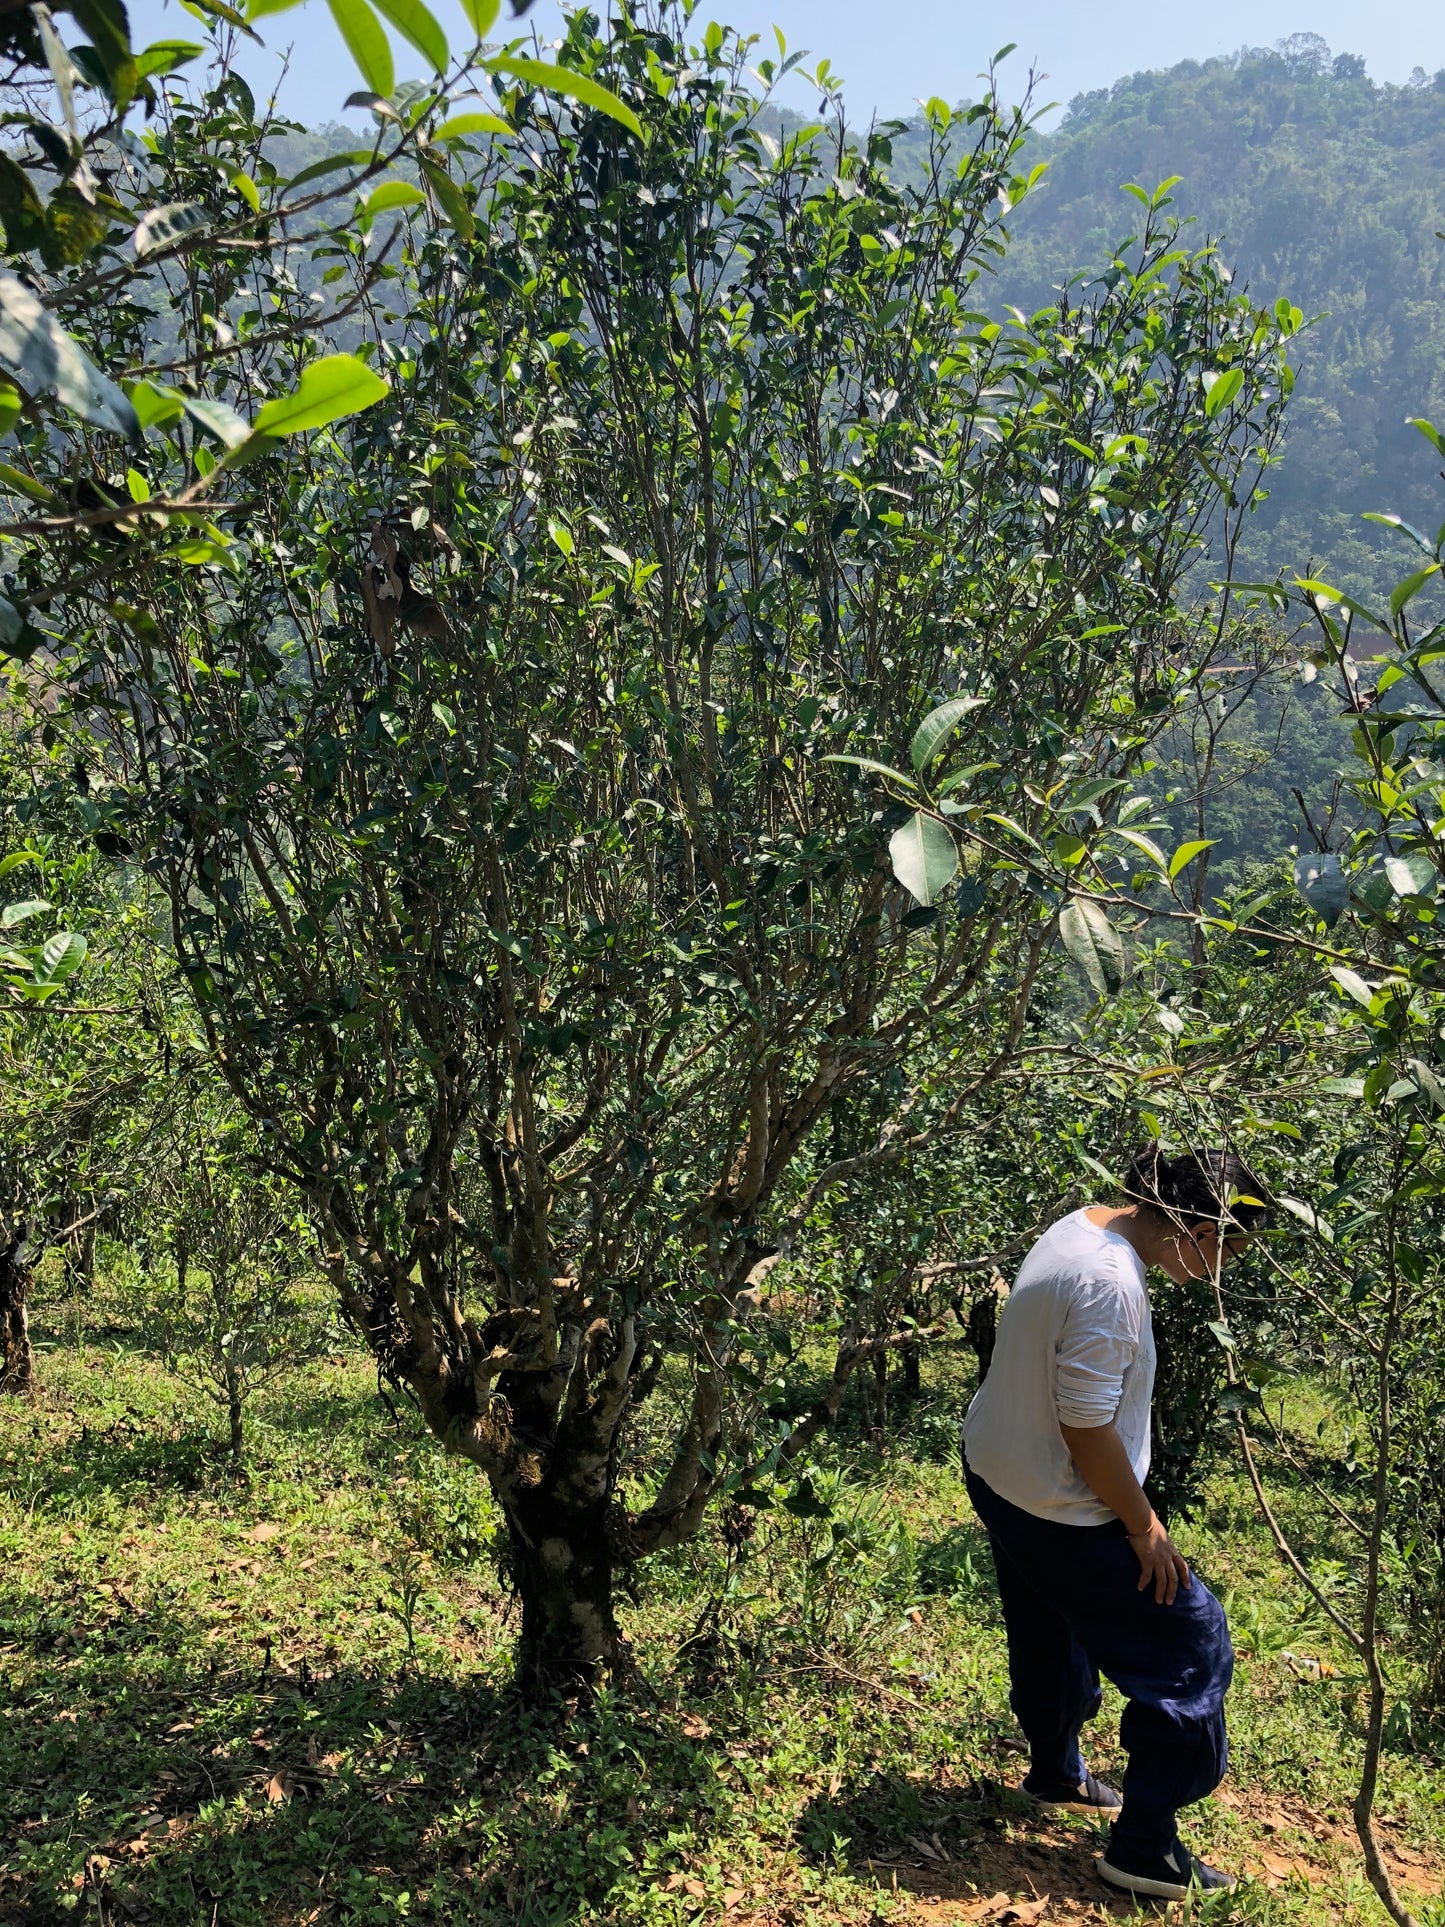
{"points": [[1103, 1465]]}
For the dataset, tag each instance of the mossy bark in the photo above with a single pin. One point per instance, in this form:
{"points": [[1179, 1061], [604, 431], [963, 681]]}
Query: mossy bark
{"points": [[564, 1572]]}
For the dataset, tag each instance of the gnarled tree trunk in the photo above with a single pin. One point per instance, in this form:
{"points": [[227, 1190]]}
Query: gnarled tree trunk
{"points": [[564, 1571], [17, 1366]]}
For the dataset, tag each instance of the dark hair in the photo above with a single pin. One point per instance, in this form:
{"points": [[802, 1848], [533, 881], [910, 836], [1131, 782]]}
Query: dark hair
{"points": [[1215, 1186]]}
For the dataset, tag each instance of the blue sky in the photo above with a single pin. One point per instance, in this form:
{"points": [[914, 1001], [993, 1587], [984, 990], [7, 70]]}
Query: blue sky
{"points": [[892, 54]]}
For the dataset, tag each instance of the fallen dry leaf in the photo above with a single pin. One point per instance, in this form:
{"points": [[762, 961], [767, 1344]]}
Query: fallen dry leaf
{"points": [[994, 1907], [734, 1897], [694, 1727], [267, 1529], [1026, 1911], [281, 1785]]}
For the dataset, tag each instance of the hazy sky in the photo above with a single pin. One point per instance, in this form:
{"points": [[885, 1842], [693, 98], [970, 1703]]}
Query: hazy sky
{"points": [[891, 54]]}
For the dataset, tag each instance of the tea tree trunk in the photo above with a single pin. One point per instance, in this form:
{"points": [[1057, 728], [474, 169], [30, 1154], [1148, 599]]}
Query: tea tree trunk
{"points": [[564, 1571], [17, 1368]]}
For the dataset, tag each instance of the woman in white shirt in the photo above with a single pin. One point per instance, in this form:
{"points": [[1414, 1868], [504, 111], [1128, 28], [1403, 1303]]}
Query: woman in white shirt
{"points": [[1056, 1451]]}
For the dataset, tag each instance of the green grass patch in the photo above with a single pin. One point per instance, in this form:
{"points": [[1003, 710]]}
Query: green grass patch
{"points": [[287, 1699]]}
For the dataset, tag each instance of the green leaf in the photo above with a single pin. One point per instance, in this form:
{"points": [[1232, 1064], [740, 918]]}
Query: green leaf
{"points": [[1322, 883], [329, 388], [935, 729], [354, 157], [1322, 591], [105, 24], [924, 856], [482, 14], [455, 206], [1145, 844], [60, 957], [367, 42], [19, 857], [1428, 430], [1307, 1215], [1187, 852], [229, 428], [165, 225], [26, 484], [414, 23], [1415, 535], [879, 769], [155, 406], [1412, 876], [203, 551], [392, 194], [1220, 390], [1111, 1178], [46, 359], [1427, 1080], [1094, 944], [1409, 587], [459, 126], [247, 190], [1352, 984], [574, 86], [258, 9], [14, 913], [222, 10], [11, 403], [164, 56]]}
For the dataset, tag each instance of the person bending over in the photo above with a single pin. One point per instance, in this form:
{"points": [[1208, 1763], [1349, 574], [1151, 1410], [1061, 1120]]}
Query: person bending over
{"points": [[1056, 1451]]}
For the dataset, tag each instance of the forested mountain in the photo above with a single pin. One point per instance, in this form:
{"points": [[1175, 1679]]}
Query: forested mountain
{"points": [[1322, 185]]}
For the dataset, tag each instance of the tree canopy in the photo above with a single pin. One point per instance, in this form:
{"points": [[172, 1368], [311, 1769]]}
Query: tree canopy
{"points": [[517, 755]]}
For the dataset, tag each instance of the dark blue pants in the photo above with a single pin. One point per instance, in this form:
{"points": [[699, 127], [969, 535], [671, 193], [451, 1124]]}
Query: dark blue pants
{"points": [[1072, 1610]]}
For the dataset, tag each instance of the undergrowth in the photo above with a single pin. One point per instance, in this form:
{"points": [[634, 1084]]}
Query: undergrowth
{"points": [[287, 1698]]}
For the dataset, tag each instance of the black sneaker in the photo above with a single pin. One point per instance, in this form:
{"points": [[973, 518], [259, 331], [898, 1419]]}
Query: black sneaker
{"points": [[1162, 1876], [1089, 1796]]}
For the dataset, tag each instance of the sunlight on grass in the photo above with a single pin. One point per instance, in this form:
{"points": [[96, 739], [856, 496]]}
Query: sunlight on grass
{"points": [[287, 1700]]}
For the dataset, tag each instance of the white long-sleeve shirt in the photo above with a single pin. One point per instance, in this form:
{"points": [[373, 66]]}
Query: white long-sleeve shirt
{"points": [[1075, 1346]]}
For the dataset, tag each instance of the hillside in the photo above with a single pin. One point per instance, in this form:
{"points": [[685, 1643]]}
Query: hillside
{"points": [[1324, 186]]}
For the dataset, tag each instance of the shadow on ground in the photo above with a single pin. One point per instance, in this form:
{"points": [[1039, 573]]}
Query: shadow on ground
{"points": [[972, 1843], [138, 1786]]}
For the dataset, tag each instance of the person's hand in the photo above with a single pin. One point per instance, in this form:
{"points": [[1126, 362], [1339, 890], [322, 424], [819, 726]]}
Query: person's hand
{"points": [[1163, 1568]]}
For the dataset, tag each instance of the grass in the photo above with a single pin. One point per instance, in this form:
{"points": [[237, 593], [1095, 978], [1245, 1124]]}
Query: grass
{"points": [[287, 1700]]}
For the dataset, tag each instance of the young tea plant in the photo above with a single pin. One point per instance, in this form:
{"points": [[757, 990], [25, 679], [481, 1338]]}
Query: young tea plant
{"points": [[229, 1311]]}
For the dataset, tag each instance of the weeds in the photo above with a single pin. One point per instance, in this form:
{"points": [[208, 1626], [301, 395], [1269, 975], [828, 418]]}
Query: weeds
{"points": [[290, 1703]]}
